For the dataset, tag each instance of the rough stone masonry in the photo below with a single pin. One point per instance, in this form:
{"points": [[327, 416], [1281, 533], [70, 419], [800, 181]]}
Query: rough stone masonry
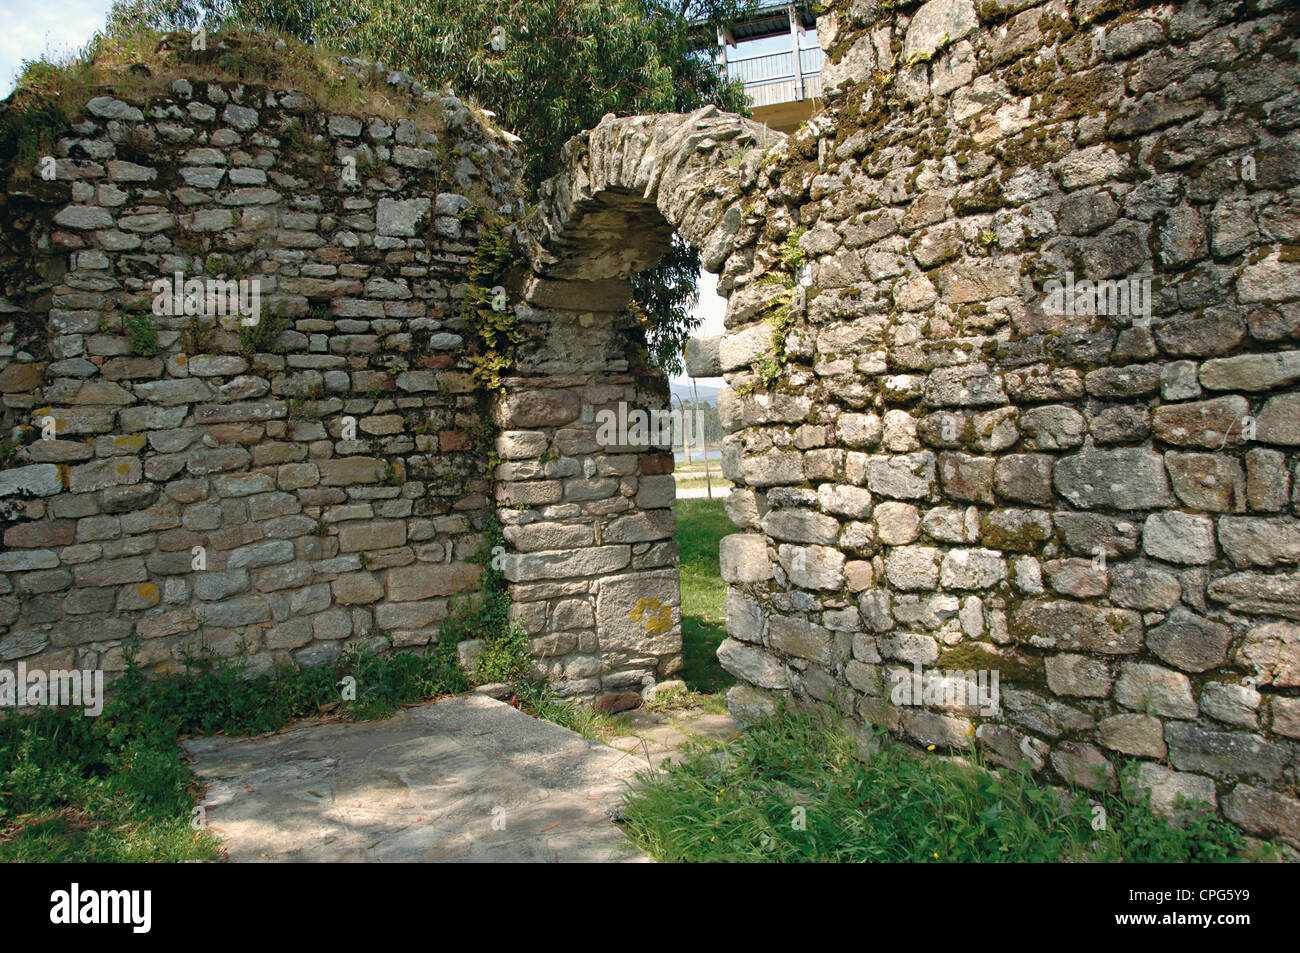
{"points": [[1096, 500], [1011, 354], [284, 489], [1012, 358]]}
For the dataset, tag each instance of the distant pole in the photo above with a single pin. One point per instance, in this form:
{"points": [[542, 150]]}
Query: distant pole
{"points": [[708, 480], [686, 444], [795, 29]]}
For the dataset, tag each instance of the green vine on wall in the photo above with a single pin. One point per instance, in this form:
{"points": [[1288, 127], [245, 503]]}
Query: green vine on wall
{"points": [[490, 321], [486, 311], [504, 656], [782, 307]]}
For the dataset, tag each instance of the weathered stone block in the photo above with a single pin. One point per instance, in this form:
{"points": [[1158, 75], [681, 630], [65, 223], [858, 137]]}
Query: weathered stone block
{"points": [[812, 567], [744, 616], [1233, 754], [1126, 479], [595, 561], [1173, 791], [1179, 538], [972, 569], [1078, 675], [1150, 688], [1212, 424], [743, 558], [1207, 481], [801, 526], [1251, 541], [912, 567], [1138, 735], [1077, 626], [1273, 651], [639, 613], [1264, 812]]}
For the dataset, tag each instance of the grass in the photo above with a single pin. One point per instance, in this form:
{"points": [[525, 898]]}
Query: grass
{"points": [[676, 700], [701, 524], [720, 486], [50, 95], [795, 788], [540, 701]]}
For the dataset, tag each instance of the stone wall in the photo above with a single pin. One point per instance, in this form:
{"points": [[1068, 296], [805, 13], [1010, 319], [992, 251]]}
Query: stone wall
{"points": [[949, 471], [334, 476], [593, 567], [936, 465]]}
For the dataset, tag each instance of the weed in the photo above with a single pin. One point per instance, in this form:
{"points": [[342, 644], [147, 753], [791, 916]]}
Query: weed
{"points": [[540, 701], [197, 337], [10, 445], [141, 333], [260, 338]]}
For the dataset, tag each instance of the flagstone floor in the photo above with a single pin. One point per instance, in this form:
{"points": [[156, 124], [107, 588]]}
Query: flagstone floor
{"points": [[460, 779]]}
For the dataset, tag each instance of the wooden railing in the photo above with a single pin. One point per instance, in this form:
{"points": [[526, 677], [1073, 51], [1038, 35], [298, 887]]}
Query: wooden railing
{"points": [[770, 79]]}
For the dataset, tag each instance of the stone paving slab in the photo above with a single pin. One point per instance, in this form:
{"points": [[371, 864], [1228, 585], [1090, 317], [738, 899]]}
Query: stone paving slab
{"points": [[424, 785]]}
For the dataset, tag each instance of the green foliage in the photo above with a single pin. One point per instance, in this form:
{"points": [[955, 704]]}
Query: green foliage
{"points": [[486, 615], [504, 657], [677, 699], [791, 256], [197, 337], [893, 807], [9, 446], [664, 299], [387, 682], [260, 338], [70, 795], [487, 316], [540, 701], [769, 364], [142, 334], [547, 68]]}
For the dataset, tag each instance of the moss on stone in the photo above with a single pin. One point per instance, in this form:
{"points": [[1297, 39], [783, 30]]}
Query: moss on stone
{"points": [[1026, 670]]}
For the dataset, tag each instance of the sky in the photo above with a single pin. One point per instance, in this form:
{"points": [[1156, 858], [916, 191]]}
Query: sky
{"points": [[35, 27], [711, 308]]}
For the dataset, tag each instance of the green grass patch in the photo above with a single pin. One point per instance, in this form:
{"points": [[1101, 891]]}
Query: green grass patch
{"points": [[681, 700], [701, 524], [142, 334], [540, 701], [795, 788], [721, 487]]}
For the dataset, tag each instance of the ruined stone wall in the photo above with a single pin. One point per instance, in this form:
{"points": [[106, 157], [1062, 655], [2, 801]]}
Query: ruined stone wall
{"points": [[949, 471], [334, 474]]}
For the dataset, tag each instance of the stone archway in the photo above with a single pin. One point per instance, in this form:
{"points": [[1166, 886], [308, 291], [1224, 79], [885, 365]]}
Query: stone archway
{"points": [[593, 564]]}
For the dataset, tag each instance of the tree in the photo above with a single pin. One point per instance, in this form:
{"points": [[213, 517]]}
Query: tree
{"points": [[548, 68]]}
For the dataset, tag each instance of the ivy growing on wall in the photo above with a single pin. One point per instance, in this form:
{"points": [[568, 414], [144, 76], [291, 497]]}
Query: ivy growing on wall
{"points": [[485, 308]]}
